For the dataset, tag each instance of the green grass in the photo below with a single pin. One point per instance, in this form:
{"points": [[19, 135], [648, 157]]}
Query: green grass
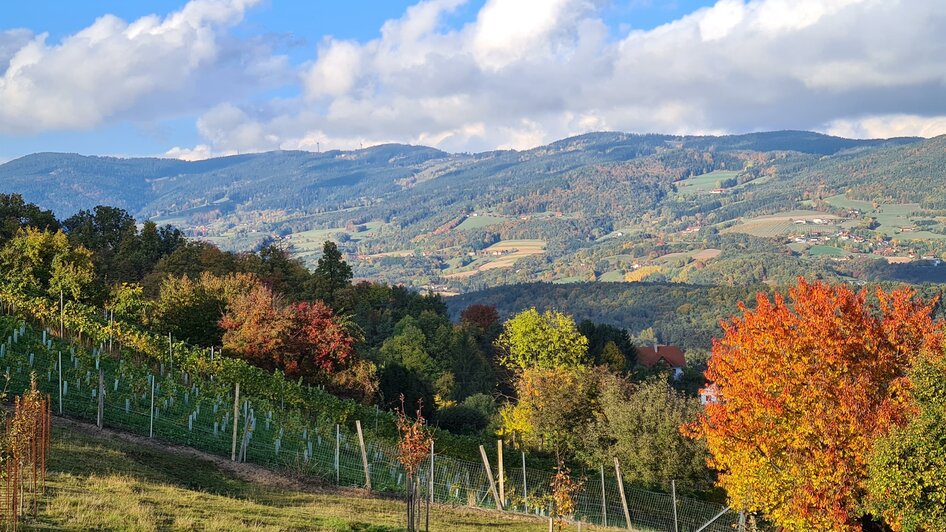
{"points": [[479, 222], [826, 251], [704, 182], [106, 483]]}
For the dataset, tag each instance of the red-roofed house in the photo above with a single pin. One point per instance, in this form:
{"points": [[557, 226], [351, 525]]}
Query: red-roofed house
{"points": [[670, 356]]}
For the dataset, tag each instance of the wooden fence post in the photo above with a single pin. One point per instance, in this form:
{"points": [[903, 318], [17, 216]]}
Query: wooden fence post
{"points": [[525, 486], [100, 419], [604, 500], [502, 475], [431, 471], [338, 444], [617, 471], [236, 419], [364, 455], [673, 494], [489, 475]]}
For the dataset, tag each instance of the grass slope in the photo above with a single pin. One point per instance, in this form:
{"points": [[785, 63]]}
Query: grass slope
{"points": [[113, 481]]}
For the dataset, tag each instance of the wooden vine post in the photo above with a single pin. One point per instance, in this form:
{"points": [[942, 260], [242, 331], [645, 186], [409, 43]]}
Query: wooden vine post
{"points": [[489, 476], [364, 455], [236, 417]]}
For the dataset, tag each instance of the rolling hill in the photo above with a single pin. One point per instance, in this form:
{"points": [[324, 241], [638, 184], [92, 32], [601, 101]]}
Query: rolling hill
{"points": [[731, 210]]}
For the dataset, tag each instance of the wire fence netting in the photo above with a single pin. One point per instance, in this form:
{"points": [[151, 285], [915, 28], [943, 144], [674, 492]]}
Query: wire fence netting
{"points": [[195, 411]]}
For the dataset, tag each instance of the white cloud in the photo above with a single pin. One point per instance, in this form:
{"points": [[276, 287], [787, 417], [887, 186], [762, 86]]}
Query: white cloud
{"points": [[527, 72], [888, 126], [520, 73], [152, 67]]}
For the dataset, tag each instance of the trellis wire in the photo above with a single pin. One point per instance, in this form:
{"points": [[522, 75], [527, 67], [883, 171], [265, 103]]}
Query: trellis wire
{"points": [[198, 412]]}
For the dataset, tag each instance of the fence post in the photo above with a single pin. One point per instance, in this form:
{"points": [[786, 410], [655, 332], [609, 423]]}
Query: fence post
{"points": [[338, 444], [604, 500], [673, 494], [617, 471], [431, 471], [100, 419], [62, 316], [525, 487], [151, 424], [60, 382], [236, 418], [489, 475], [502, 475], [364, 455]]}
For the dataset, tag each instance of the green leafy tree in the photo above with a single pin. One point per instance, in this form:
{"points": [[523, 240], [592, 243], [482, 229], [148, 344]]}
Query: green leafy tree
{"points": [[16, 214], [41, 262], [640, 424], [907, 472], [546, 340]]}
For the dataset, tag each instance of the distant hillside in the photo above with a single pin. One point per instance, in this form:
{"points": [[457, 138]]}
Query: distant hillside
{"points": [[596, 207]]}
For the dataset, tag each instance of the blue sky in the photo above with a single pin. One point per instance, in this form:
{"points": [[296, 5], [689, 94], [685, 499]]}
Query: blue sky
{"points": [[211, 77]]}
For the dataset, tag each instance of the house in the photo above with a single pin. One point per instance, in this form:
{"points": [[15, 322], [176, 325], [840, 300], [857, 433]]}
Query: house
{"points": [[708, 395], [669, 356]]}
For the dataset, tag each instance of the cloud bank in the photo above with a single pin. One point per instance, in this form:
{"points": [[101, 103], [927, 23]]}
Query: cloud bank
{"points": [[522, 73]]}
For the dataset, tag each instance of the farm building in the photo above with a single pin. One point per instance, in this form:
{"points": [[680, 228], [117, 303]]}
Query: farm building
{"points": [[670, 356]]}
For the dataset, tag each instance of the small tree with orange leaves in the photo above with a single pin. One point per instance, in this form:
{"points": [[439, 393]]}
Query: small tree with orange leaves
{"points": [[25, 448], [564, 488], [805, 388], [413, 448]]}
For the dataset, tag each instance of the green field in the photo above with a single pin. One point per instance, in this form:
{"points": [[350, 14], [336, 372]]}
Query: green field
{"points": [[826, 251], [893, 218], [704, 182], [479, 222], [110, 481], [311, 241], [784, 223]]}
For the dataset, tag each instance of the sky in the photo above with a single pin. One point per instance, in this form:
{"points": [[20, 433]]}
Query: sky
{"points": [[215, 77]]}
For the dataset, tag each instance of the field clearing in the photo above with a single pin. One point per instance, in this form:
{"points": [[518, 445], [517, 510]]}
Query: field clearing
{"points": [[614, 276], [707, 254], [396, 253], [899, 260], [783, 223], [826, 251], [704, 182], [479, 222], [307, 242], [529, 247], [461, 275]]}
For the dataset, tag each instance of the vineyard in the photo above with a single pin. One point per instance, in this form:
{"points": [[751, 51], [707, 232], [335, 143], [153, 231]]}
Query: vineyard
{"points": [[193, 397]]}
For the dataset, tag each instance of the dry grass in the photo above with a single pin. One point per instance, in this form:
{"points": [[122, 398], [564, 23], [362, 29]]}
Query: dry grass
{"points": [[109, 483]]}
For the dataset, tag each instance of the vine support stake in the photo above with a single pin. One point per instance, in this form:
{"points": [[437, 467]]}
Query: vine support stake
{"points": [[431, 471], [673, 494], [236, 417], [60, 383], [338, 446], [151, 425], [100, 418]]}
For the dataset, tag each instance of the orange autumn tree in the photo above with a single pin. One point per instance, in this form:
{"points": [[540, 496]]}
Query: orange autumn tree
{"points": [[805, 388]]}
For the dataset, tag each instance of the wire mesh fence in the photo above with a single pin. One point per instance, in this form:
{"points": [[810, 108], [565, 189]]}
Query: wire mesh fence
{"points": [[193, 410]]}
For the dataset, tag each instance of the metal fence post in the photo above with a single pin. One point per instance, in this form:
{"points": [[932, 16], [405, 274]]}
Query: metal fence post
{"points": [[604, 500], [673, 495], [236, 418], [338, 442], [151, 424]]}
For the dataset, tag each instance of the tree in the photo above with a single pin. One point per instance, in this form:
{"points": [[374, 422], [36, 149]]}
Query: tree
{"points": [[102, 231], [907, 481], [553, 408], [640, 424], [546, 340], [805, 390], [320, 343], [256, 326], [38, 262], [332, 272], [482, 317], [16, 214]]}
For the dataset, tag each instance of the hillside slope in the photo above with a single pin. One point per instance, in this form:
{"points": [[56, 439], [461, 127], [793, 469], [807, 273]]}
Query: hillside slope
{"points": [[103, 480]]}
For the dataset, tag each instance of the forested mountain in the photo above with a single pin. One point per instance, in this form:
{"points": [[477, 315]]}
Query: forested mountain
{"points": [[729, 210]]}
